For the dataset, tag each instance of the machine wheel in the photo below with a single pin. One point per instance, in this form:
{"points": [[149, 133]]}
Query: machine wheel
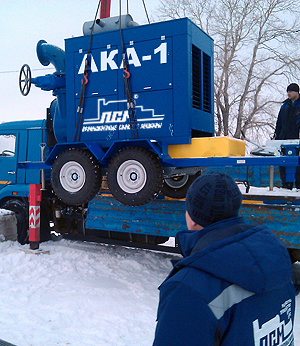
{"points": [[20, 209], [135, 176], [76, 176], [25, 80], [177, 187]]}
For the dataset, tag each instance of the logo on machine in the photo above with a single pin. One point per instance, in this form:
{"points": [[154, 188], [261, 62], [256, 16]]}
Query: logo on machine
{"points": [[112, 120]]}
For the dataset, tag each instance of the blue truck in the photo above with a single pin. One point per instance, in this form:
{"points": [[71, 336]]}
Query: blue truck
{"points": [[133, 107]]}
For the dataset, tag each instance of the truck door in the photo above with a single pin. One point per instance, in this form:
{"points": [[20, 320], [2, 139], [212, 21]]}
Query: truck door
{"points": [[8, 159]]}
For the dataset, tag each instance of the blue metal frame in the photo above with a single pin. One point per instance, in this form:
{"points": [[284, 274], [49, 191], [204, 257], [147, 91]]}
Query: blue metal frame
{"points": [[290, 162], [167, 217]]}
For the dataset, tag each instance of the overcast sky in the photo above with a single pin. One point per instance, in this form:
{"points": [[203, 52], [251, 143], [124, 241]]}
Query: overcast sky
{"points": [[23, 24]]}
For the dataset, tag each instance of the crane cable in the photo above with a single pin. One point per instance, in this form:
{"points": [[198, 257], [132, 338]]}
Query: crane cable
{"points": [[126, 75], [84, 82], [145, 8]]}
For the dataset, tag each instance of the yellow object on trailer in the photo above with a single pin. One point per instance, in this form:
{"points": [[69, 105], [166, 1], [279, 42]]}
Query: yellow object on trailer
{"points": [[208, 147]]}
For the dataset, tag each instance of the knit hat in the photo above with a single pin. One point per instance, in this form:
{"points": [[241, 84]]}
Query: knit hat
{"points": [[293, 87], [213, 197]]}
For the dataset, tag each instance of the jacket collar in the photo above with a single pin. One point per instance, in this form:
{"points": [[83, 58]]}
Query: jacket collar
{"points": [[192, 241], [289, 102]]}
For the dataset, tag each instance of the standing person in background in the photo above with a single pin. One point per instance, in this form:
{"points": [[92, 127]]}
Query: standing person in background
{"points": [[234, 285], [287, 127]]}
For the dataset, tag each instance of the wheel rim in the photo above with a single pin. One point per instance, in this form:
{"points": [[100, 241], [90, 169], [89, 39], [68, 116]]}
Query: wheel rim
{"points": [[72, 176], [131, 176], [177, 182]]}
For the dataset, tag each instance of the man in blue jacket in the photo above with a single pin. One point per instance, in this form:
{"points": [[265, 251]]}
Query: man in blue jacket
{"points": [[234, 285], [287, 127]]}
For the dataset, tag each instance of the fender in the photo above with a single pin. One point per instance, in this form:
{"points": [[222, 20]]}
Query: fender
{"points": [[101, 156]]}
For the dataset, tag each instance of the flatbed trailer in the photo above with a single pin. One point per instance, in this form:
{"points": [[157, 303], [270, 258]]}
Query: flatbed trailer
{"points": [[163, 218]]}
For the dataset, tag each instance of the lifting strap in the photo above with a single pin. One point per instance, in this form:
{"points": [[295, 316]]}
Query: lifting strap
{"points": [[84, 82], [126, 75]]}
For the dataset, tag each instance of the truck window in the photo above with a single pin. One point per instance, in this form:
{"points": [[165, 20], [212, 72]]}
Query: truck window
{"points": [[7, 145]]}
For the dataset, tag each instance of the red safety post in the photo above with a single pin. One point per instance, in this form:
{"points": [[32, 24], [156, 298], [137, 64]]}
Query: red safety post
{"points": [[35, 197]]}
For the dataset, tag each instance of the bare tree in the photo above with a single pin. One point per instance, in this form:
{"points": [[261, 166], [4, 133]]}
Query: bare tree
{"points": [[255, 57]]}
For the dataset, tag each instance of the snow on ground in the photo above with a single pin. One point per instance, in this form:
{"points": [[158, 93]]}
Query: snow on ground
{"points": [[265, 191], [103, 295], [82, 295]]}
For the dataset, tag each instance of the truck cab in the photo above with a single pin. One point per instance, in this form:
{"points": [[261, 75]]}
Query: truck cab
{"points": [[20, 141]]}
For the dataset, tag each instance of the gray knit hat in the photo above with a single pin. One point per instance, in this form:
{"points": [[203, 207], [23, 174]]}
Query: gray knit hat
{"points": [[213, 197]]}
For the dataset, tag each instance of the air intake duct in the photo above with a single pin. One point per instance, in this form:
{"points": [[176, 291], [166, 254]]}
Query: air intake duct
{"points": [[47, 53]]}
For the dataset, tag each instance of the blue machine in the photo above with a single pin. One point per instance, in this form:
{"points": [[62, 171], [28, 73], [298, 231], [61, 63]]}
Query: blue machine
{"points": [[170, 71], [161, 59], [125, 87]]}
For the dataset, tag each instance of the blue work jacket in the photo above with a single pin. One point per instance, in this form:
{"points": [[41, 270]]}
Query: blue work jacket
{"points": [[233, 287], [288, 121]]}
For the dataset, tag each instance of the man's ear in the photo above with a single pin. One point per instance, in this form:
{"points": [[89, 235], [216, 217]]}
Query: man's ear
{"points": [[193, 225]]}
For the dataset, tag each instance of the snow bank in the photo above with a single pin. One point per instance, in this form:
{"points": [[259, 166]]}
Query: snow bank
{"points": [[8, 225], [82, 295]]}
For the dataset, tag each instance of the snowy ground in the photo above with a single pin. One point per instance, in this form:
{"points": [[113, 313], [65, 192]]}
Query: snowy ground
{"points": [[82, 295], [265, 191], [102, 295]]}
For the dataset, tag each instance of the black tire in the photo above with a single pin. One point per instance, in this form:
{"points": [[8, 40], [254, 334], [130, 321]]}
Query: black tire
{"points": [[20, 208], [148, 239], [177, 187], [135, 176], [294, 255], [76, 176]]}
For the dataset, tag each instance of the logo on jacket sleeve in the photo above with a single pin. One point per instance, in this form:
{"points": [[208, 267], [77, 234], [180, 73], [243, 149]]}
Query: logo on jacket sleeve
{"points": [[278, 331]]}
